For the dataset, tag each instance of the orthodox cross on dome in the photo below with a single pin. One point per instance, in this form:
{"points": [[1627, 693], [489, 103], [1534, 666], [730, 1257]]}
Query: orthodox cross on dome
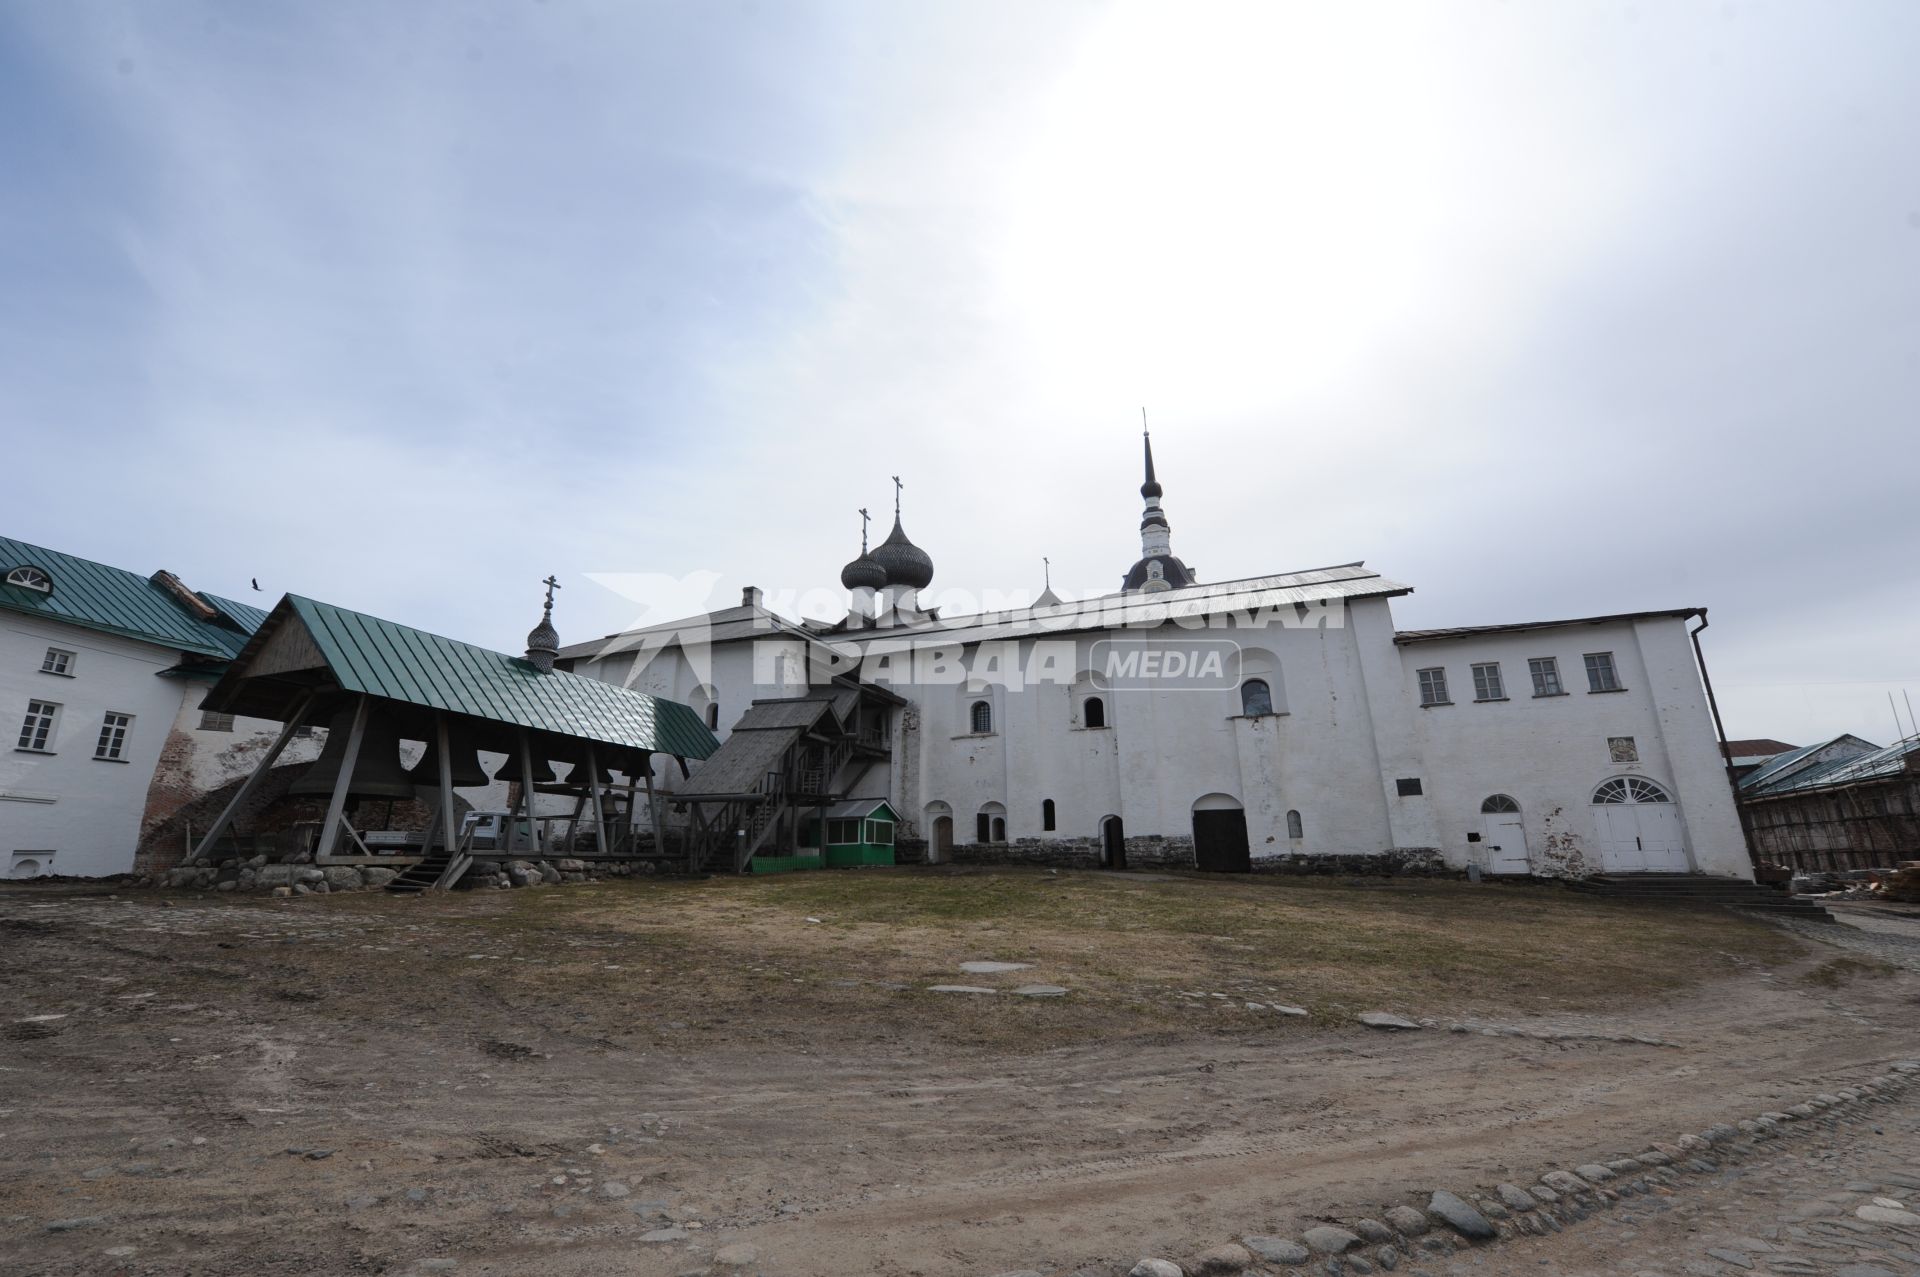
{"points": [[897, 485], [1046, 569], [864, 517], [552, 583]]}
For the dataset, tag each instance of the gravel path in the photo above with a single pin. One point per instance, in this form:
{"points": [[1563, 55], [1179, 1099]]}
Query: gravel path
{"points": [[1837, 1205], [1869, 930]]}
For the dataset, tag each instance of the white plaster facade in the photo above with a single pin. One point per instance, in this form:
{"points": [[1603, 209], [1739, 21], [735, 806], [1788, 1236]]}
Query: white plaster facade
{"points": [[62, 809], [1321, 776]]}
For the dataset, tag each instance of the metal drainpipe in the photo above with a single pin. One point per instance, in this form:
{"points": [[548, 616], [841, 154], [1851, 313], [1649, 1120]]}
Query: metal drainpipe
{"points": [[1720, 732]]}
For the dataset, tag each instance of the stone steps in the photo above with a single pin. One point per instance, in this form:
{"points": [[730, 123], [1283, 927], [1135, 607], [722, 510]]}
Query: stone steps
{"points": [[1702, 891]]}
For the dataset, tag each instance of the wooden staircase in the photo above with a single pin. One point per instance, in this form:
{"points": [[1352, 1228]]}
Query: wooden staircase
{"points": [[771, 812], [436, 870]]}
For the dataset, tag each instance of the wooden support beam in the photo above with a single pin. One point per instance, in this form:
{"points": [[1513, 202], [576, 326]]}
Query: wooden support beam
{"points": [[452, 835], [653, 812], [252, 782], [337, 804], [526, 792], [599, 812]]}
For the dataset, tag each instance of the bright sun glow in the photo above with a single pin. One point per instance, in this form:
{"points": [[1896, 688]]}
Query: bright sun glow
{"points": [[1226, 202]]}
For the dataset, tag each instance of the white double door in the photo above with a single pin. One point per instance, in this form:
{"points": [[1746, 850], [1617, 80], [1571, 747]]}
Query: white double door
{"points": [[1641, 838]]}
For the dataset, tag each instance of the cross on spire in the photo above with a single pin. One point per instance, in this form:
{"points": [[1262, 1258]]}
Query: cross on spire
{"points": [[1046, 568]]}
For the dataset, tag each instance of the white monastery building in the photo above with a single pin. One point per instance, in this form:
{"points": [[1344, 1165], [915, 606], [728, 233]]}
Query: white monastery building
{"points": [[102, 672], [1276, 723]]}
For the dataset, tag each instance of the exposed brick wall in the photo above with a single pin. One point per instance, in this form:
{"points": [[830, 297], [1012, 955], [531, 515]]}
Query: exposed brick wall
{"points": [[268, 810], [172, 786]]}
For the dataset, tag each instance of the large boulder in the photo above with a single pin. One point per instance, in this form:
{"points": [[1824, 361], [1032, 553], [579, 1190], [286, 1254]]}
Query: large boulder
{"points": [[275, 875], [375, 876], [342, 877], [548, 874]]}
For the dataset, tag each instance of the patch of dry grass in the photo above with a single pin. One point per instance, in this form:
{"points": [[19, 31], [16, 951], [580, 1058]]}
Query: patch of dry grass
{"points": [[729, 952]]}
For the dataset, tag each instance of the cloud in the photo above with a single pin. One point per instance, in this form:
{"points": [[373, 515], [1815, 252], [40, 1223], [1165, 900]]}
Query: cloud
{"points": [[1546, 309]]}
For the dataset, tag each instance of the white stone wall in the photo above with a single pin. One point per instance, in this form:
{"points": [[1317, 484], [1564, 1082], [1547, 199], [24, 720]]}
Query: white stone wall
{"points": [[1551, 753], [1350, 729], [87, 812]]}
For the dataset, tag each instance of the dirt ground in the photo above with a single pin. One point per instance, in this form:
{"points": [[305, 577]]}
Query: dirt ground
{"points": [[542, 1081]]}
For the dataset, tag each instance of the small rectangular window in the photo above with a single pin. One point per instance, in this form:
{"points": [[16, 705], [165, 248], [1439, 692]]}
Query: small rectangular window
{"points": [[113, 736], [1600, 674], [212, 722], [1486, 682], [36, 732], [1433, 687], [1546, 675], [1621, 749], [1409, 786], [58, 660]]}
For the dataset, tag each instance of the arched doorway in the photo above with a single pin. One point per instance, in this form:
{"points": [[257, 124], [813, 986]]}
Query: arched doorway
{"points": [[1113, 843], [1220, 835], [1504, 834], [1638, 828], [939, 833]]}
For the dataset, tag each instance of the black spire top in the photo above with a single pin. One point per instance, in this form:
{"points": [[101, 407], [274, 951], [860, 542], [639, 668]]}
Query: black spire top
{"points": [[1151, 488]]}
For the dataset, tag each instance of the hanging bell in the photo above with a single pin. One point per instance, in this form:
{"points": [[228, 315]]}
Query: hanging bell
{"points": [[578, 776], [467, 771], [510, 770], [376, 772]]}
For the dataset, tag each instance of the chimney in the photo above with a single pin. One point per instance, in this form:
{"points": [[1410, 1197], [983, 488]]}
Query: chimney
{"points": [[750, 597]]}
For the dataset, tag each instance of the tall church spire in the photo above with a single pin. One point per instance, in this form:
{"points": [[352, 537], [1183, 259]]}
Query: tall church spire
{"points": [[1157, 569]]}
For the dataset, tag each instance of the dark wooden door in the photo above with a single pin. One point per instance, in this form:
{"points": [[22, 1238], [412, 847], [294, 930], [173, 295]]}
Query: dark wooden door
{"points": [[1116, 843], [1220, 842]]}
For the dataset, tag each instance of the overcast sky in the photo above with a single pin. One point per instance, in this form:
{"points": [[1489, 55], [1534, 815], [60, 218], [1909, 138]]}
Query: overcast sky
{"points": [[1547, 310]]}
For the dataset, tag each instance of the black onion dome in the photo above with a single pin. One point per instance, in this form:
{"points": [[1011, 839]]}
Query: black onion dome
{"points": [[904, 562], [1176, 574], [863, 573], [543, 637]]}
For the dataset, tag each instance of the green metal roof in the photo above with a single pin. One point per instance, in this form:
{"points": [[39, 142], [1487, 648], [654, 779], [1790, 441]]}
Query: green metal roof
{"points": [[116, 601], [381, 658]]}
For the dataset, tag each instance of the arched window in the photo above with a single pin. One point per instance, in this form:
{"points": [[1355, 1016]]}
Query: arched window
{"points": [[990, 824], [1256, 697], [982, 717], [1093, 712], [1629, 789], [1498, 803], [31, 578], [1046, 815], [1294, 828], [999, 828], [713, 716]]}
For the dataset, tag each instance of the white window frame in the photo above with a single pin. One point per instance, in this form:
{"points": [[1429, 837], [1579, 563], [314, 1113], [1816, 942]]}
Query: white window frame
{"points": [[28, 577], [1433, 685], [1602, 670], [58, 661], [115, 727], [1545, 672], [1487, 683], [40, 728], [214, 721]]}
